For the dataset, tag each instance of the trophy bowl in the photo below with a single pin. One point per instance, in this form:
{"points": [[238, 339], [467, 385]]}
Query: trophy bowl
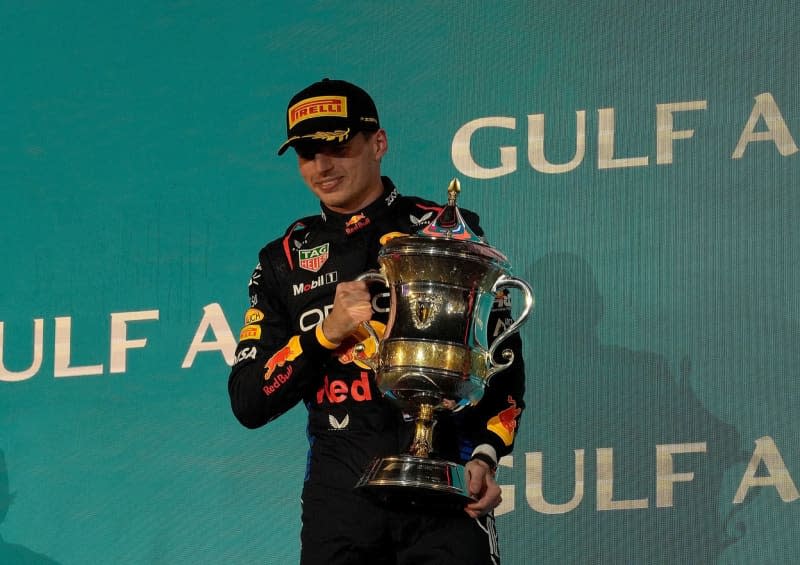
{"points": [[435, 354]]}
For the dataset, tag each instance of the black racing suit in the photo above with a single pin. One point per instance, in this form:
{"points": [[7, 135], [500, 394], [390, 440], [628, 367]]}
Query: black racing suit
{"points": [[281, 361]]}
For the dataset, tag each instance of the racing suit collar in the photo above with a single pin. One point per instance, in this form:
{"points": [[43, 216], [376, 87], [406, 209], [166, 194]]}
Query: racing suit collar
{"points": [[356, 221]]}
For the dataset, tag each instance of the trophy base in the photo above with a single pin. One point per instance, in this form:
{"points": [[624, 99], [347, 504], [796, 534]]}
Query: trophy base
{"points": [[416, 480]]}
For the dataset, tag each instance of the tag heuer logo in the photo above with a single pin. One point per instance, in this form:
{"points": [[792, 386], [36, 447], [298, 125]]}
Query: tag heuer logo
{"points": [[313, 259]]}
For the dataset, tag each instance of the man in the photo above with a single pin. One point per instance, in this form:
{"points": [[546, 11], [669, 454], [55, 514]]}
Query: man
{"points": [[297, 346]]}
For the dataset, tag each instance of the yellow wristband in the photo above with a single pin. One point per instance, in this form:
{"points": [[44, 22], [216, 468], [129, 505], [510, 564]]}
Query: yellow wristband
{"points": [[324, 341]]}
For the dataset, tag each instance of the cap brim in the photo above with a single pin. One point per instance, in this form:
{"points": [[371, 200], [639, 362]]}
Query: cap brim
{"points": [[327, 137], [286, 144]]}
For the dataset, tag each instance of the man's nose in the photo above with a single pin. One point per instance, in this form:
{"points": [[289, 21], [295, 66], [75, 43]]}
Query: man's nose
{"points": [[322, 161]]}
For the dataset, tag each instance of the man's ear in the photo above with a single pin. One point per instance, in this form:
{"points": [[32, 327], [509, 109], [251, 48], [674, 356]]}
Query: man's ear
{"points": [[380, 144]]}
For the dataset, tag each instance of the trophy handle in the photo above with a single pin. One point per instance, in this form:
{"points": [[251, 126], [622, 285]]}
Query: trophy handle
{"points": [[502, 282], [358, 350]]}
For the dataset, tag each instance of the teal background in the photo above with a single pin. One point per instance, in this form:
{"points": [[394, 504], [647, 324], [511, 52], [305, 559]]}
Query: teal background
{"points": [[138, 171]]}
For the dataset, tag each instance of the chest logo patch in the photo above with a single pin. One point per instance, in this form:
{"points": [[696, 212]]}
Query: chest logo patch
{"points": [[336, 424], [313, 259]]}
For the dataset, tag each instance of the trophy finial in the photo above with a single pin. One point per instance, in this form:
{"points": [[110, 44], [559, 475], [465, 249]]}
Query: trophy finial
{"points": [[452, 191], [449, 223]]}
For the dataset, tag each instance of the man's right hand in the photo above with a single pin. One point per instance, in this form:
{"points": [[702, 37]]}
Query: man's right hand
{"points": [[351, 306]]}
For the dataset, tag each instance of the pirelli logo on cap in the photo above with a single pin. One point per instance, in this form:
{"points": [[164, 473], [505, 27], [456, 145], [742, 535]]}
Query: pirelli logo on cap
{"points": [[317, 107]]}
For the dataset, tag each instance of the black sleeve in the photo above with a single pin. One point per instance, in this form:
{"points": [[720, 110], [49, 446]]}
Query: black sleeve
{"points": [[274, 368], [495, 419]]}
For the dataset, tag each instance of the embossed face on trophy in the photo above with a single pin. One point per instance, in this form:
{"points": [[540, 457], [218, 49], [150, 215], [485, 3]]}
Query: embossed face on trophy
{"points": [[434, 354]]}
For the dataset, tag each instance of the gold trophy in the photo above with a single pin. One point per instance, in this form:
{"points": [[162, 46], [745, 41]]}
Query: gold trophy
{"points": [[434, 354]]}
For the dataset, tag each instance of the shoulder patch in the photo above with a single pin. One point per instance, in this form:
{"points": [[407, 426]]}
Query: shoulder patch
{"points": [[250, 332], [253, 315]]}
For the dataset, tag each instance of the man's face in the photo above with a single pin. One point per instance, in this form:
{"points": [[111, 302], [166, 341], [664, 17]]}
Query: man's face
{"points": [[344, 177]]}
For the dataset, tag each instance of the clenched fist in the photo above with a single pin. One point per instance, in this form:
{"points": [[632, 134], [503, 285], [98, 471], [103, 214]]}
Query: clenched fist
{"points": [[351, 306]]}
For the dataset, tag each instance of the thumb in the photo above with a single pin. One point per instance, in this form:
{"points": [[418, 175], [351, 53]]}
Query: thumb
{"points": [[475, 480]]}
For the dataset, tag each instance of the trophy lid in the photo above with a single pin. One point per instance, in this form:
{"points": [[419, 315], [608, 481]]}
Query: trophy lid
{"points": [[448, 235], [449, 223]]}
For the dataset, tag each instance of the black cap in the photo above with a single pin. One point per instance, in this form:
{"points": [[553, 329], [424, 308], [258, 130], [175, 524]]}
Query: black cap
{"points": [[329, 111]]}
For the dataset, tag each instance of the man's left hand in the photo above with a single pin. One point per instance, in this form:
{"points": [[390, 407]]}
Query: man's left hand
{"points": [[481, 484]]}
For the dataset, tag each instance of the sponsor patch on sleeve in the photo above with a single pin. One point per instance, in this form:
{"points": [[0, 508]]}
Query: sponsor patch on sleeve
{"points": [[505, 423], [250, 332], [288, 352], [253, 315]]}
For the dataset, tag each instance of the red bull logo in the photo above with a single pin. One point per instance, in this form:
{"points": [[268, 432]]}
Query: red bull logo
{"points": [[278, 381], [355, 223], [355, 220], [505, 423], [286, 354]]}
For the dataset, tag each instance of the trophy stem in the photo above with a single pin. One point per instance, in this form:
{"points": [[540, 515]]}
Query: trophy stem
{"points": [[415, 477], [423, 432]]}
